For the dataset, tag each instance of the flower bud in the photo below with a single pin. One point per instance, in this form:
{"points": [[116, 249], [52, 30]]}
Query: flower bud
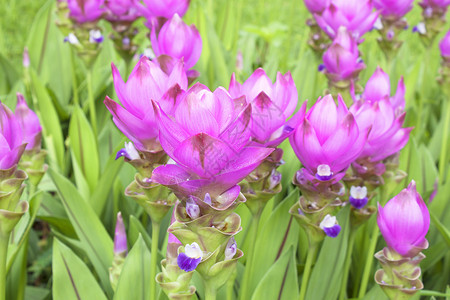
{"points": [[120, 236], [26, 58], [192, 209], [330, 226], [444, 46], [85, 11], [393, 9], [166, 8], [29, 122], [230, 249], [404, 221], [11, 138]]}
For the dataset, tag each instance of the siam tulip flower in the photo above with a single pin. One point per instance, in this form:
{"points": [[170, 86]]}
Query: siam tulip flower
{"points": [[188, 45], [29, 123], [12, 145], [207, 140], [341, 60], [316, 6], [123, 10], [378, 87], [166, 8], [272, 104], [404, 221], [444, 46], [328, 139], [85, 11], [330, 226], [120, 236], [358, 196], [147, 82], [355, 15], [393, 9], [190, 258]]}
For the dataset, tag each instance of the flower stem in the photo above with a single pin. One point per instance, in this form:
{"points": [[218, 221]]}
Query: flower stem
{"points": [[4, 241], [251, 253], [76, 100], [348, 260], [369, 260], [154, 258], [313, 247], [91, 102], [444, 147], [210, 291]]}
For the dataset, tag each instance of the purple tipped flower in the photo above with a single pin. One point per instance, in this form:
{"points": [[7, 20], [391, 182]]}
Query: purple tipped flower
{"points": [[316, 6], [341, 60], [120, 236], [11, 138], [358, 196], [147, 82], [166, 8], [272, 104], [330, 226], [83, 11], [355, 15], [393, 9], [190, 258], [444, 46], [129, 152], [404, 221], [328, 139], [207, 140], [188, 45], [29, 123], [95, 36]]}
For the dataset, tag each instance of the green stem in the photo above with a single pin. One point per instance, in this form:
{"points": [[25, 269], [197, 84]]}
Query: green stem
{"points": [[369, 260], [348, 260], [91, 101], [313, 247], [154, 258], [230, 286], [210, 291], [76, 100], [251, 252], [4, 241], [444, 146]]}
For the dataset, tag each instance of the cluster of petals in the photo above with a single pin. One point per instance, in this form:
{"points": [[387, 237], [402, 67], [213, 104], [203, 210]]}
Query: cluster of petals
{"points": [[207, 137], [393, 9], [86, 10], [404, 221], [12, 145], [341, 60], [328, 139], [158, 80], [123, 10], [29, 124], [165, 8], [444, 45], [355, 15], [177, 40], [272, 104], [316, 6], [383, 117]]}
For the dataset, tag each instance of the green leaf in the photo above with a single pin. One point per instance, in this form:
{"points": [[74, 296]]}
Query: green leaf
{"points": [[84, 146], [445, 233], [91, 232], [71, 277], [36, 293], [327, 271], [280, 281], [135, 277]]}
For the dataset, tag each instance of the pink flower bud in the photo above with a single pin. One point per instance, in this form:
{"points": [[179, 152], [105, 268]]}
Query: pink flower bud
{"points": [[120, 236], [316, 6], [11, 138], [166, 8], [29, 122], [26, 58], [82, 11], [404, 221], [123, 10], [395, 9], [444, 46]]}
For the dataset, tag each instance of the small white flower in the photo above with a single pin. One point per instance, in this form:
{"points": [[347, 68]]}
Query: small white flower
{"points": [[149, 53], [324, 170], [72, 39], [131, 151], [421, 28], [378, 25], [193, 250], [358, 192], [328, 222]]}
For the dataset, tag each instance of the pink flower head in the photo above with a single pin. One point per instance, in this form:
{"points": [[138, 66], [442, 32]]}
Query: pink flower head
{"points": [[123, 10], [178, 40], [395, 9], [386, 135], [120, 236], [29, 123], [328, 139], [272, 104], [355, 15], [207, 139], [316, 6], [148, 81], [83, 11], [11, 138], [444, 45], [435, 7], [341, 60], [166, 8], [378, 87], [404, 222]]}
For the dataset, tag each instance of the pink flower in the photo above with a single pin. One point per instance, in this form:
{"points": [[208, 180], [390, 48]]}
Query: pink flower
{"points": [[272, 104], [316, 6], [29, 123], [147, 82], [355, 15], [207, 139], [404, 221], [178, 40], [120, 236], [328, 139], [341, 60], [11, 138], [166, 8], [123, 10], [444, 45], [393, 8], [83, 11]]}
